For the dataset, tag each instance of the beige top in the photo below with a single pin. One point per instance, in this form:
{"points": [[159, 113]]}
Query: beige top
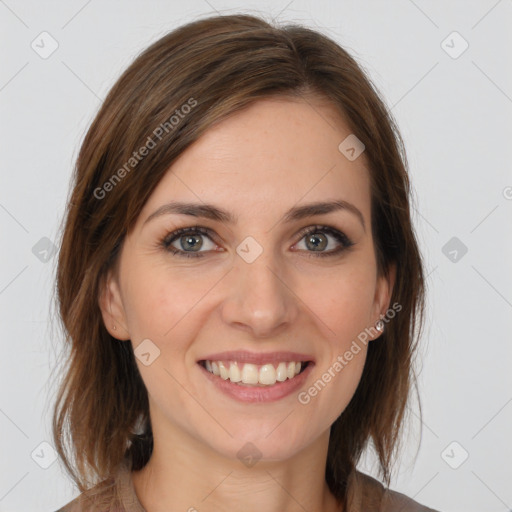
{"points": [[365, 494]]}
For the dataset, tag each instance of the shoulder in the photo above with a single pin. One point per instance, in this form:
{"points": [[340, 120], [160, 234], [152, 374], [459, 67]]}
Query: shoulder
{"points": [[100, 498], [374, 497], [84, 503], [72, 506], [114, 494]]}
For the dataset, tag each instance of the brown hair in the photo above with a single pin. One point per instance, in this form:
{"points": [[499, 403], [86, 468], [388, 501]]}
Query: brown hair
{"points": [[218, 66]]}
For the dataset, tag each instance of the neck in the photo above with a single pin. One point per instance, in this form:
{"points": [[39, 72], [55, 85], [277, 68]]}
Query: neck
{"points": [[185, 474]]}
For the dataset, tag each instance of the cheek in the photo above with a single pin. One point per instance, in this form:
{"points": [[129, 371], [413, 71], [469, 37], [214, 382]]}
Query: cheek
{"points": [[157, 301], [341, 300], [145, 305], [347, 378], [332, 388]]}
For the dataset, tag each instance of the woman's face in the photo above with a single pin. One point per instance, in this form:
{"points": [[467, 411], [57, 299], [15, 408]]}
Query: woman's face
{"points": [[257, 287]]}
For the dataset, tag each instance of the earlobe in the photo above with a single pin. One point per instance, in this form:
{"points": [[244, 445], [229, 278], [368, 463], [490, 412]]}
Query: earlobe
{"points": [[112, 309]]}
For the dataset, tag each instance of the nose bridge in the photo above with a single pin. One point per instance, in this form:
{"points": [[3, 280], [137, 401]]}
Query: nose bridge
{"points": [[258, 297]]}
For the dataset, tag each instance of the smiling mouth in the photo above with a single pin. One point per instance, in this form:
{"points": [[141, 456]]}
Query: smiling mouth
{"points": [[254, 375]]}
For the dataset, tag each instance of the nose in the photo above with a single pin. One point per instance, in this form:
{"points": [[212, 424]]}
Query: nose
{"points": [[260, 298]]}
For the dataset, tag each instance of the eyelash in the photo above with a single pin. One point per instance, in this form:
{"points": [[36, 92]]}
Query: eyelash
{"points": [[338, 235]]}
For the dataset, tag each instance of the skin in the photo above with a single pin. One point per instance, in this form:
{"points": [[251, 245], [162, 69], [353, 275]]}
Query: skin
{"points": [[276, 154]]}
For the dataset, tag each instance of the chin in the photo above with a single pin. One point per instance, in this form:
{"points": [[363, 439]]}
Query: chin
{"points": [[262, 441]]}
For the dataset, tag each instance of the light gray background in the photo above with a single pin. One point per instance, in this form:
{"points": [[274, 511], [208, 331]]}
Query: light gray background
{"points": [[454, 114]]}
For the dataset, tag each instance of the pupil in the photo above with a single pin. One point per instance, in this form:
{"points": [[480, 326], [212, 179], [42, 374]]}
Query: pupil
{"points": [[313, 239], [192, 241]]}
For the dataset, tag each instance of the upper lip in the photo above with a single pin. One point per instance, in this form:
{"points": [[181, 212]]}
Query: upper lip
{"points": [[259, 358]]}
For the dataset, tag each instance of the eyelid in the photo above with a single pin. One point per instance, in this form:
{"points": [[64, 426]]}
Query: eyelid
{"points": [[336, 233], [189, 229]]}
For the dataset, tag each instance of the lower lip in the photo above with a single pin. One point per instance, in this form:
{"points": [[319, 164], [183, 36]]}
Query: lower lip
{"points": [[254, 394]]}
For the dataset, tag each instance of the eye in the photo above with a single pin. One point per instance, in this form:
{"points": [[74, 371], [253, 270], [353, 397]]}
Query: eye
{"points": [[316, 239], [188, 242]]}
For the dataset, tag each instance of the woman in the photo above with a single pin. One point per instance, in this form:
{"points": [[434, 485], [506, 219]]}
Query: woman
{"points": [[239, 280]]}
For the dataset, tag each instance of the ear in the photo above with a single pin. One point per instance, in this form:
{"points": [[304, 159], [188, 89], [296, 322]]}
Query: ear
{"points": [[112, 309], [383, 292]]}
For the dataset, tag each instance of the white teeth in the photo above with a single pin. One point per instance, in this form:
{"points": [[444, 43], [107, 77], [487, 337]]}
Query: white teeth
{"points": [[267, 374], [234, 373], [252, 374], [290, 371], [224, 372], [281, 375]]}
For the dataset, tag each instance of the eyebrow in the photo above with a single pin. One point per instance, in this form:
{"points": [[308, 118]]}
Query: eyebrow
{"points": [[209, 211]]}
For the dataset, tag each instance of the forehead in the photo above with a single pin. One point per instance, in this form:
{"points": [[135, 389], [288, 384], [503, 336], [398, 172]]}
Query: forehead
{"points": [[272, 155]]}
